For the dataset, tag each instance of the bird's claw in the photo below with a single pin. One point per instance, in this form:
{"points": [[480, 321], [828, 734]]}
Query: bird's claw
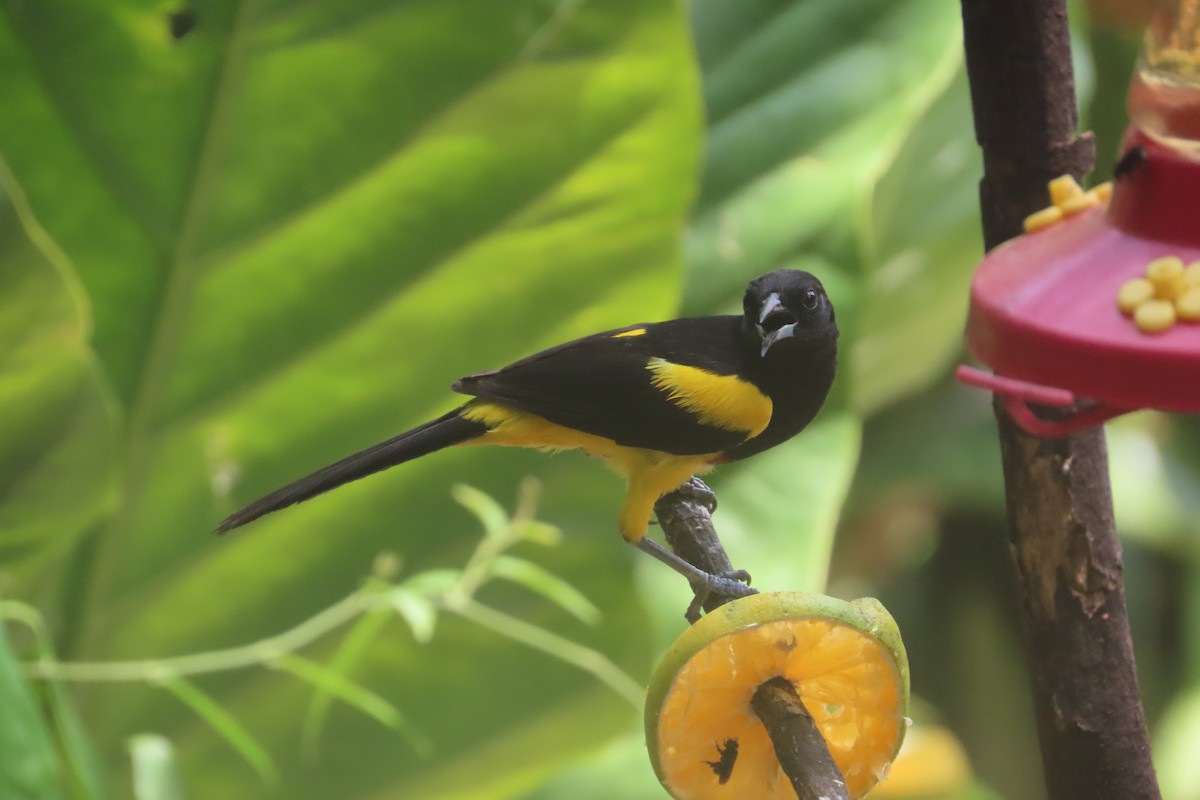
{"points": [[730, 583], [738, 575], [698, 491], [733, 583]]}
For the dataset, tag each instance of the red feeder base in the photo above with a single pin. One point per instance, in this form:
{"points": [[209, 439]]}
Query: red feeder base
{"points": [[1044, 315]]}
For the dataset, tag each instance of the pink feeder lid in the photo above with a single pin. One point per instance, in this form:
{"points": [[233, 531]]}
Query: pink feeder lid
{"points": [[1043, 309]]}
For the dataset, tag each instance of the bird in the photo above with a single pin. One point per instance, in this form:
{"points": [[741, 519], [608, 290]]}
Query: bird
{"points": [[659, 402]]}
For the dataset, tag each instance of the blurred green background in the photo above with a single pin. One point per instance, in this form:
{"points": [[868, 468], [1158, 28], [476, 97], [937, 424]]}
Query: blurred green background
{"points": [[239, 240]]}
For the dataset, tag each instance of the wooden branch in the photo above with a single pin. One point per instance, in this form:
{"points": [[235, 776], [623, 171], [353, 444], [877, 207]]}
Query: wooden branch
{"points": [[1068, 561], [686, 519], [1091, 724], [685, 516], [799, 745], [1023, 97]]}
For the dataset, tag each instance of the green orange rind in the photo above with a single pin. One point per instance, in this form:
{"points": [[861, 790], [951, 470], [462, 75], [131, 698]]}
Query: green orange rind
{"points": [[864, 623]]}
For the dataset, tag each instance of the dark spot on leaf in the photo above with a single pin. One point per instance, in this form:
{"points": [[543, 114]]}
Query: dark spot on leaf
{"points": [[726, 757], [181, 23]]}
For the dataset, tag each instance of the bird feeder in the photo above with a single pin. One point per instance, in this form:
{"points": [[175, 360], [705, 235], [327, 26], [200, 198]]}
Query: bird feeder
{"points": [[1095, 310], [845, 661]]}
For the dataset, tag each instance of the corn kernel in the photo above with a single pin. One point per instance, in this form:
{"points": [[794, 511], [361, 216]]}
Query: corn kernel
{"points": [[1133, 293], [1166, 274], [1154, 316], [1081, 202], [1187, 305], [1102, 192], [1063, 188], [1191, 274], [1043, 219]]}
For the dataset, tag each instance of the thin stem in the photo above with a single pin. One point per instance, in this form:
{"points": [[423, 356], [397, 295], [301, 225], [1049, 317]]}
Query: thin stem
{"points": [[279, 650], [478, 570], [253, 654], [552, 644]]}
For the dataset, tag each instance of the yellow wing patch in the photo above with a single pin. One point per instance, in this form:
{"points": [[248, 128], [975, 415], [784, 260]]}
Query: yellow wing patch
{"points": [[630, 332], [723, 401]]}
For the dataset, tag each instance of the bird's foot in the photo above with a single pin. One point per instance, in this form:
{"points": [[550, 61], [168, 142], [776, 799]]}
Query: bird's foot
{"points": [[697, 491], [732, 583]]}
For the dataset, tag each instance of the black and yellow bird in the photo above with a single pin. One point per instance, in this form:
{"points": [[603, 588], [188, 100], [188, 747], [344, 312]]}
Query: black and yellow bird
{"points": [[659, 402]]}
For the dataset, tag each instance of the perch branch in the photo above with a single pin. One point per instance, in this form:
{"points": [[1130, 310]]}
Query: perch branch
{"points": [[685, 516], [686, 519], [1090, 720], [799, 746]]}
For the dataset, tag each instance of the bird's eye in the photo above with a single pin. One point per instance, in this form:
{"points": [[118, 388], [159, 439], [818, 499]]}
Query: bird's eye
{"points": [[810, 299]]}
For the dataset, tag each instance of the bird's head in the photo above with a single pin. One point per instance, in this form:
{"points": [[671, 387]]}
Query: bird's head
{"points": [[788, 308]]}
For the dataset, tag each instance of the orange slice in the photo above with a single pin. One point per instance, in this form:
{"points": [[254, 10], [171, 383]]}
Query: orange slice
{"points": [[845, 659]]}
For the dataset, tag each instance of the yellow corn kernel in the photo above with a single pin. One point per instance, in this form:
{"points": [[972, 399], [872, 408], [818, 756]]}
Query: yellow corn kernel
{"points": [[1102, 192], [1191, 274], [1154, 316], [1187, 305], [1043, 219], [1063, 188], [1080, 202], [1133, 293], [1166, 274]]}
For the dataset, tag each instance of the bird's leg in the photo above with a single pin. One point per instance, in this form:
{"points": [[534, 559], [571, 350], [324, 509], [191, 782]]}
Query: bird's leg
{"points": [[685, 514], [704, 584]]}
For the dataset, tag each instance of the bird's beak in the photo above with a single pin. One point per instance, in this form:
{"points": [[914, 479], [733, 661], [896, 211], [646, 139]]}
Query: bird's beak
{"points": [[783, 332], [770, 304], [773, 305]]}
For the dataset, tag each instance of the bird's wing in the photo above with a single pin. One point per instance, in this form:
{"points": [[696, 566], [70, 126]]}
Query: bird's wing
{"points": [[671, 387]]}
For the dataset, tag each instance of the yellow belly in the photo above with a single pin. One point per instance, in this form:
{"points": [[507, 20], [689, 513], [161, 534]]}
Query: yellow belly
{"points": [[649, 474]]}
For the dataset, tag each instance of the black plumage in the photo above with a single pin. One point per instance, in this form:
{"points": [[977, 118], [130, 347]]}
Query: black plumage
{"points": [[660, 401]]}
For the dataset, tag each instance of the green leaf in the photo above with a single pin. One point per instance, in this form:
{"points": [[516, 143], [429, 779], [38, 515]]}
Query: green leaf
{"points": [[1154, 483], [155, 774], [922, 243], [619, 770], [348, 654], [490, 513], [557, 646], [86, 767], [28, 767], [538, 579], [75, 743], [337, 685], [431, 582], [295, 227], [1175, 747], [55, 423], [416, 609], [224, 723], [531, 530]]}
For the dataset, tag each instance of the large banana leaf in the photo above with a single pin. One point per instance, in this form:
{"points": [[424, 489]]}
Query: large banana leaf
{"points": [[294, 224]]}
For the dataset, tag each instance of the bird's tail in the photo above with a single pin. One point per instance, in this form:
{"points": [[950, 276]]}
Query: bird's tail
{"points": [[444, 431]]}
